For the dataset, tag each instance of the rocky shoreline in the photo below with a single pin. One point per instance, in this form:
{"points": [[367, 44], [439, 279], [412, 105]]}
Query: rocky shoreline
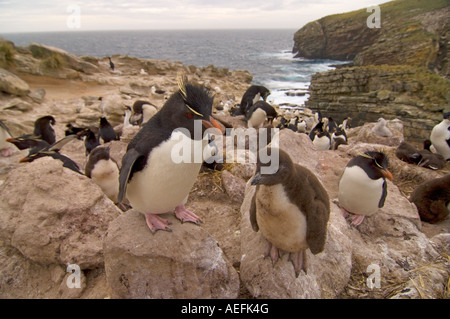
{"points": [[399, 70], [51, 217]]}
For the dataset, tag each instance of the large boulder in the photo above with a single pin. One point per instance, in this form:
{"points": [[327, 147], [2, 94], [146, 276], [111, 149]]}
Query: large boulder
{"points": [[328, 272], [53, 215], [12, 84], [184, 263]]}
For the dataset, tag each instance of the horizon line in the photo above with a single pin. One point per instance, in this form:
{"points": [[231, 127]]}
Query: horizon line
{"points": [[140, 30]]}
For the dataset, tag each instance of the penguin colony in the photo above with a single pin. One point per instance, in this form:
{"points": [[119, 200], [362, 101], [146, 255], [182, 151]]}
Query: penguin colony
{"points": [[290, 207]]}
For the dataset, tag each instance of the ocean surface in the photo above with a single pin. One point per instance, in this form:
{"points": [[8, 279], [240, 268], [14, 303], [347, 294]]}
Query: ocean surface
{"points": [[266, 54]]}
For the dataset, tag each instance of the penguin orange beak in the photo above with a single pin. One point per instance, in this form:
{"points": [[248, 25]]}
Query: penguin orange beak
{"points": [[387, 174], [24, 160], [212, 123], [11, 140]]}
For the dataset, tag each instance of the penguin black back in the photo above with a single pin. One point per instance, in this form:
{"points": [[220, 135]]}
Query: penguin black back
{"points": [[190, 103], [43, 128], [375, 164], [250, 95], [67, 162], [106, 131]]}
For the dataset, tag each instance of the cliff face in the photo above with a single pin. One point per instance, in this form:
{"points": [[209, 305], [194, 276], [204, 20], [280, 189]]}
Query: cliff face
{"points": [[412, 33], [415, 96]]}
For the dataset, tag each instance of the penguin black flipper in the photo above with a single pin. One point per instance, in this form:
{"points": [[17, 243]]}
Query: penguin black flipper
{"points": [[316, 227], [58, 145], [128, 162], [383, 195], [253, 220], [317, 213]]}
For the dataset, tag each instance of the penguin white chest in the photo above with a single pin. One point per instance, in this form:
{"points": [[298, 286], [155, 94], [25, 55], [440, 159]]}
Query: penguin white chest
{"points": [[106, 175], [358, 193], [439, 136], [164, 182], [321, 143], [280, 221], [257, 119]]}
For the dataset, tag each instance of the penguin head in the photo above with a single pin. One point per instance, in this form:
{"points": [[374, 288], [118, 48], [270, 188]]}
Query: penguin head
{"points": [[104, 122], [285, 166], [48, 119], [25, 141], [375, 164], [188, 104], [264, 92]]}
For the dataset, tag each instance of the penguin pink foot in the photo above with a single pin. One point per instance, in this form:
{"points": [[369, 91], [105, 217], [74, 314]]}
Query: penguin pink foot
{"points": [[298, 260], [154, 223], [357, 219], [186, 216], [272, 251], [6, 152]]}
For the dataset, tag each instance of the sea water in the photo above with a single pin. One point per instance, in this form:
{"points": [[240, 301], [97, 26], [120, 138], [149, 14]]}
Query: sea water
{"points": [[266, 54]]}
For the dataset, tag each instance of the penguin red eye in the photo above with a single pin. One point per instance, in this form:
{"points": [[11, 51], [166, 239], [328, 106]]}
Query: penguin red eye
{"points": [[189, 115]]}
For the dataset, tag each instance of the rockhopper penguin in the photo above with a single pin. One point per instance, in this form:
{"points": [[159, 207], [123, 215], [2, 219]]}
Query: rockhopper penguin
{"points": [[43, 128], [150, 178], [103, 170], [291, 208], [440, 137], [362, 186]]}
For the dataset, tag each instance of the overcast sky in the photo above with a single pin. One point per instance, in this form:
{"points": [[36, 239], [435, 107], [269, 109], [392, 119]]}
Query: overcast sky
{"points": [[52, 15]]}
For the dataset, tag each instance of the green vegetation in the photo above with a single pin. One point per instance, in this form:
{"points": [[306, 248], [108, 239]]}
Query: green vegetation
{"points": [[6, 54], [52, 62]]}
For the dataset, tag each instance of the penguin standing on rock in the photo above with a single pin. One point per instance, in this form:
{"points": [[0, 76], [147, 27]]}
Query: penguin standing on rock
{"points": [[103, 170], [362, 186], [43, 128], [153, 180], [111, 64], [440, 137], [259, 113], [5, 134], [250, 97], [291, 208]]}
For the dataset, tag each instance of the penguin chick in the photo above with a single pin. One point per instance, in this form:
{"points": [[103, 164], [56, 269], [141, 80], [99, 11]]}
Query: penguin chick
{"points": [[103, 170], [381, 128], [43, 128], [151, 179], [432, 199], [5, 134], [440, 137], [291, 209], [362, 186], [428, 159], [408, 153]]}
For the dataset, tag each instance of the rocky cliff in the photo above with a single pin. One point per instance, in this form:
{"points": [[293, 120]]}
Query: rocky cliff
{"points": [[411, 32], [398, 70], [415, 96]]}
